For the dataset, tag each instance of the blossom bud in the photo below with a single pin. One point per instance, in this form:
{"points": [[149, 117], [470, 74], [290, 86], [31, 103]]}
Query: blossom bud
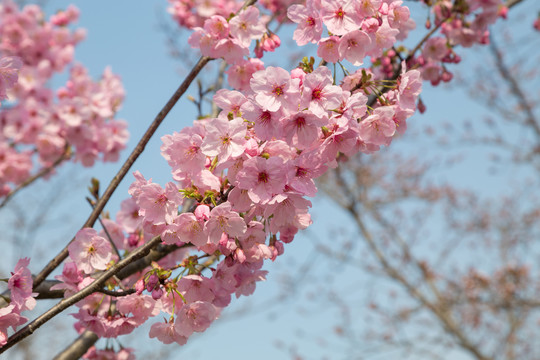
{"points": [[157, 293], [536, 24], [447, 76], [139, 286], [421, 106], [152, 282]]}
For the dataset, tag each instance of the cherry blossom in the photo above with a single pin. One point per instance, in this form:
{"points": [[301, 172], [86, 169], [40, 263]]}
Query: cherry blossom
{"points": [[90, 251]]}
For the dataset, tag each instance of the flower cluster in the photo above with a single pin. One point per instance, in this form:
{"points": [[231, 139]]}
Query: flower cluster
{"points": [[246, 172], [242, 176], [21, 299], [229, 39], [462, 24], [78, 119], [355, 28]]}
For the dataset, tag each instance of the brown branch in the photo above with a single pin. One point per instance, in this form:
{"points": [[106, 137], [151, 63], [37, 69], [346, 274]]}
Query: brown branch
{"points": [[100, 204], [511, 3], [90, 289], [79, 347], [117, 293]]}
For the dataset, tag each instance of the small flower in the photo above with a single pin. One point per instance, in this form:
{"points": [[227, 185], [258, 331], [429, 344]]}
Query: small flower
{"points": [[9, 74], [90, 251]]}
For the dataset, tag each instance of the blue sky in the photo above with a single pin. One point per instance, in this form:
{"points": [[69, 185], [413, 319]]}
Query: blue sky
{"points": [[126, 35]]}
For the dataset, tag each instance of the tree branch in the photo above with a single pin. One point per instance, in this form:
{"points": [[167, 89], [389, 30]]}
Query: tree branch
{"points": [[90, 289], [79, 347], [100, 204]]}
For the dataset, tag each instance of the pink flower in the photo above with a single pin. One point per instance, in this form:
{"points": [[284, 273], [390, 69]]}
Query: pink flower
{"points": [[9, 317], [70, 279], [307, 168], [224, 139], [273, 88], [9, 74], [383, 38], [435, 49], [240, 73], [301, 129], [231, 50], [269, 43], [141, 306], [262, 178], [195, 288], [20, 285], [247, 25], [319, 95], [309, 23], [128, 215], [398, 16], [166, 333], [224, 220], [195, 317], [378, 128], [353, 47], [340, 17], [328, 49], [230, 101], [288, 209], [159, 205], [90, 251], [367, 8], [190, 229], [266, 123], [410, 86], [183, 151], [217, 27]]}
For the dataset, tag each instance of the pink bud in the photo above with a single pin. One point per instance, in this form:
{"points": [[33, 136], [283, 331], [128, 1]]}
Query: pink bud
{"points": [[447, 76], [503, 12], [536, 24], [152, 282], [157, 293], [133, 240], [421, 106], [229, 261], [139, 286], [202, 212], [279, 247]]}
